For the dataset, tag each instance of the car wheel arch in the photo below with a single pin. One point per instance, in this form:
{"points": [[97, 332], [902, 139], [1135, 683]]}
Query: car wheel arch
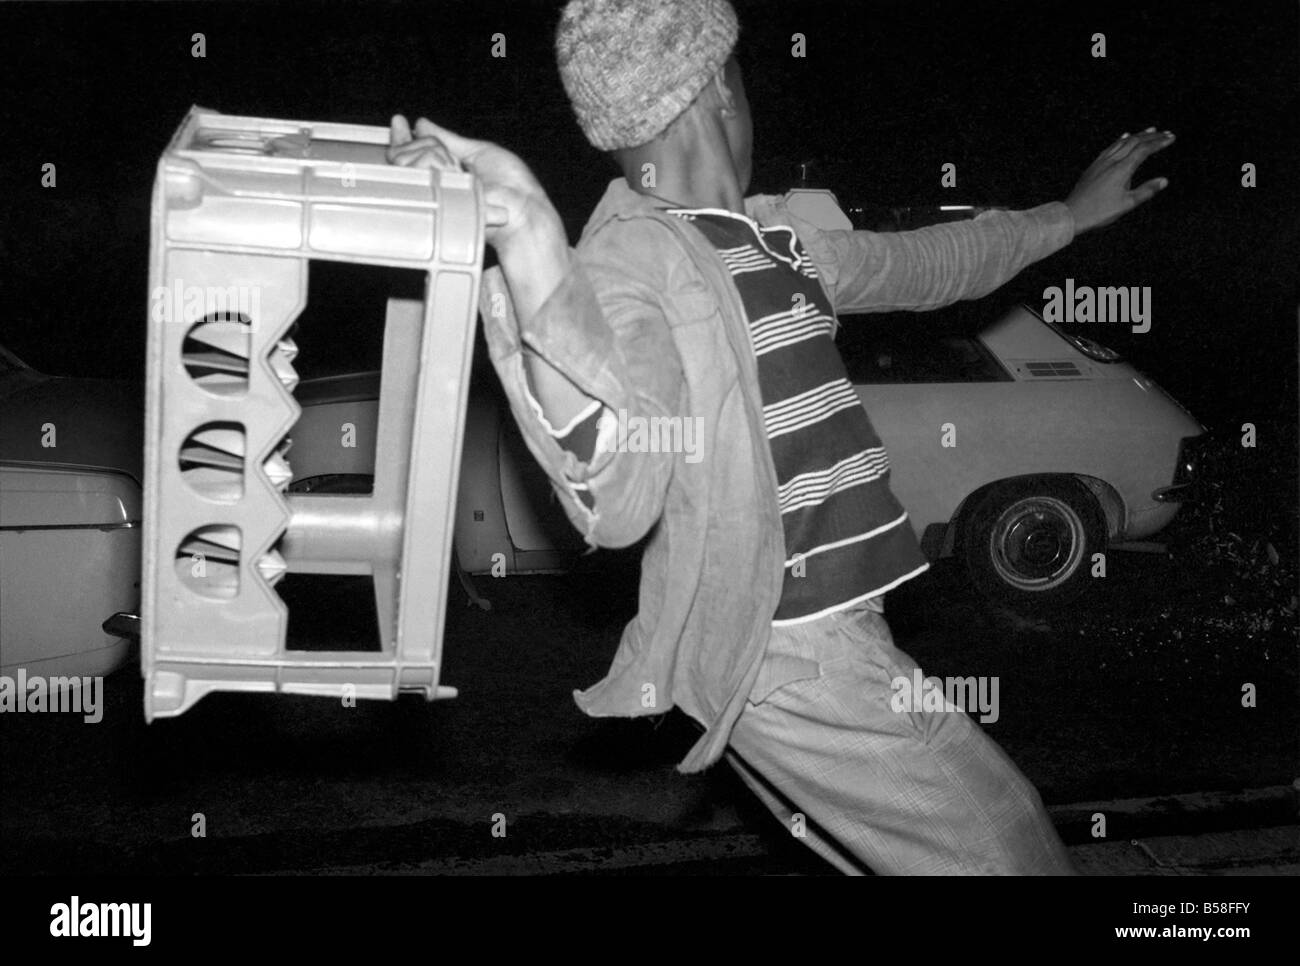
{"points": [[1107, 497], [1026, 541]]}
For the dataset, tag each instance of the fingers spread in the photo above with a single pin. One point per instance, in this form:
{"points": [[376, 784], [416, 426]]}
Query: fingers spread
{"points": [[1154, 143], [1130, 143], [1145, 144], [1147, 190], [1120, 142]]}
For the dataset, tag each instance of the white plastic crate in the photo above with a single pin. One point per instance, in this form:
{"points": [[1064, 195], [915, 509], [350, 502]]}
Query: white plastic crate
{"points": [[240, 206]]}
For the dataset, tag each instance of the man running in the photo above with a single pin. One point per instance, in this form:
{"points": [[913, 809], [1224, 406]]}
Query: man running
{"points": [[770, 551]]}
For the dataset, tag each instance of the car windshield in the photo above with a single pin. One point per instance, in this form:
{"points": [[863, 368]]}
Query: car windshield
{"points": [[898, 347]]}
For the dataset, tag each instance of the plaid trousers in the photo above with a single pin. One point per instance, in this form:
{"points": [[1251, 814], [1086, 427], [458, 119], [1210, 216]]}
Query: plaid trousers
{"points": [[897, 792]]}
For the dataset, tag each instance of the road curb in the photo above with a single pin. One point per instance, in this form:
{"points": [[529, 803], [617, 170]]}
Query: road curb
{"points": [[1185, 813], [1268, 846]]}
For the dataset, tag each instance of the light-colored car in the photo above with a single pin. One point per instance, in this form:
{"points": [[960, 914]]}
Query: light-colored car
{"points": [[1020, 448], [507, 519], [70, 509]]}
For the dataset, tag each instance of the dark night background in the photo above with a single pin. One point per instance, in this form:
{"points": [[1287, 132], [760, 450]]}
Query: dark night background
{"points": [[1138, 694], [888, 92]]}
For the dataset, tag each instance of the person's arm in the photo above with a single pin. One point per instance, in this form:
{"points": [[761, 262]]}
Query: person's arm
{"points": [[603, 331], [929, 268], [935, 266], [524, 228], [572, 341], [534, 263]]}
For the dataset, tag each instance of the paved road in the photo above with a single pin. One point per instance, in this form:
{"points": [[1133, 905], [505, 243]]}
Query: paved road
{"points": [[1120, 701], [1267, 851]]}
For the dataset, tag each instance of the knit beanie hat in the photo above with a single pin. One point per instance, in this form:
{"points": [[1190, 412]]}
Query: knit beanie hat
{"points": [[631, 66]]}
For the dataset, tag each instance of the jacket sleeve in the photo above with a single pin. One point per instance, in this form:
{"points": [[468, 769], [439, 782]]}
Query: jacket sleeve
{"points": [[605, 330], [929, 268]]}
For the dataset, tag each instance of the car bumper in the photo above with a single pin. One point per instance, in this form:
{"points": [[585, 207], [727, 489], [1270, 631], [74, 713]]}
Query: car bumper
{"points": [[1176, 493], [1187, 472]]}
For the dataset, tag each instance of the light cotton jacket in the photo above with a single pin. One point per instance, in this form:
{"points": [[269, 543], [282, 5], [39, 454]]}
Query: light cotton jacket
{"points": [[648, 322]]}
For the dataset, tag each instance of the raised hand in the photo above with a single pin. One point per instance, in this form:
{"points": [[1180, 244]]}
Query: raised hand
{"points": [[1103, 193]]}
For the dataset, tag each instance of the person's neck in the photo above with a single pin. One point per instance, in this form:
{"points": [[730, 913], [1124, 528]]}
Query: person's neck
{"points": [[721, 195], [701, 181]]}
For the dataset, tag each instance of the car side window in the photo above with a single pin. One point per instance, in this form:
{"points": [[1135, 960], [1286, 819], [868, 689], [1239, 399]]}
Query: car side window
{"points": [[911, 347]]}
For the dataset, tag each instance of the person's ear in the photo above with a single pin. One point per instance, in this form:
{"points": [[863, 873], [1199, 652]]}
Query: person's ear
{"points": [[726, 99]]}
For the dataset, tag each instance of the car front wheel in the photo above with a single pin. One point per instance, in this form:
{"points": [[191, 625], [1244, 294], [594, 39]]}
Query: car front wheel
{"points": [[1029, 543]]}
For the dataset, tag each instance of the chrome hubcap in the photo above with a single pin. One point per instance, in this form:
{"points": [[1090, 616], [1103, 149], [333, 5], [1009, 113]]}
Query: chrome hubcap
{"points": [[1037, 543]]}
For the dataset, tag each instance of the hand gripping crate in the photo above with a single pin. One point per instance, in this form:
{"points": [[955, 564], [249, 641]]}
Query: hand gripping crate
{"points": [[240, 206]]}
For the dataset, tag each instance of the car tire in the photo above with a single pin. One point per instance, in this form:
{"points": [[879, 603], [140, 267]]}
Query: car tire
{"points": [[1029, 543]]}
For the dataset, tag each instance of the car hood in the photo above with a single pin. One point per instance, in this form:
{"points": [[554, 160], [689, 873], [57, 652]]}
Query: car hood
{"points": [[97, 423]]}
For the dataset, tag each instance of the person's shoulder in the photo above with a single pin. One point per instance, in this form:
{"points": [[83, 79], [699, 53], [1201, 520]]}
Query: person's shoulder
{"points": [[767, 209], [641, 247], [637, 227], [641, 232]]}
